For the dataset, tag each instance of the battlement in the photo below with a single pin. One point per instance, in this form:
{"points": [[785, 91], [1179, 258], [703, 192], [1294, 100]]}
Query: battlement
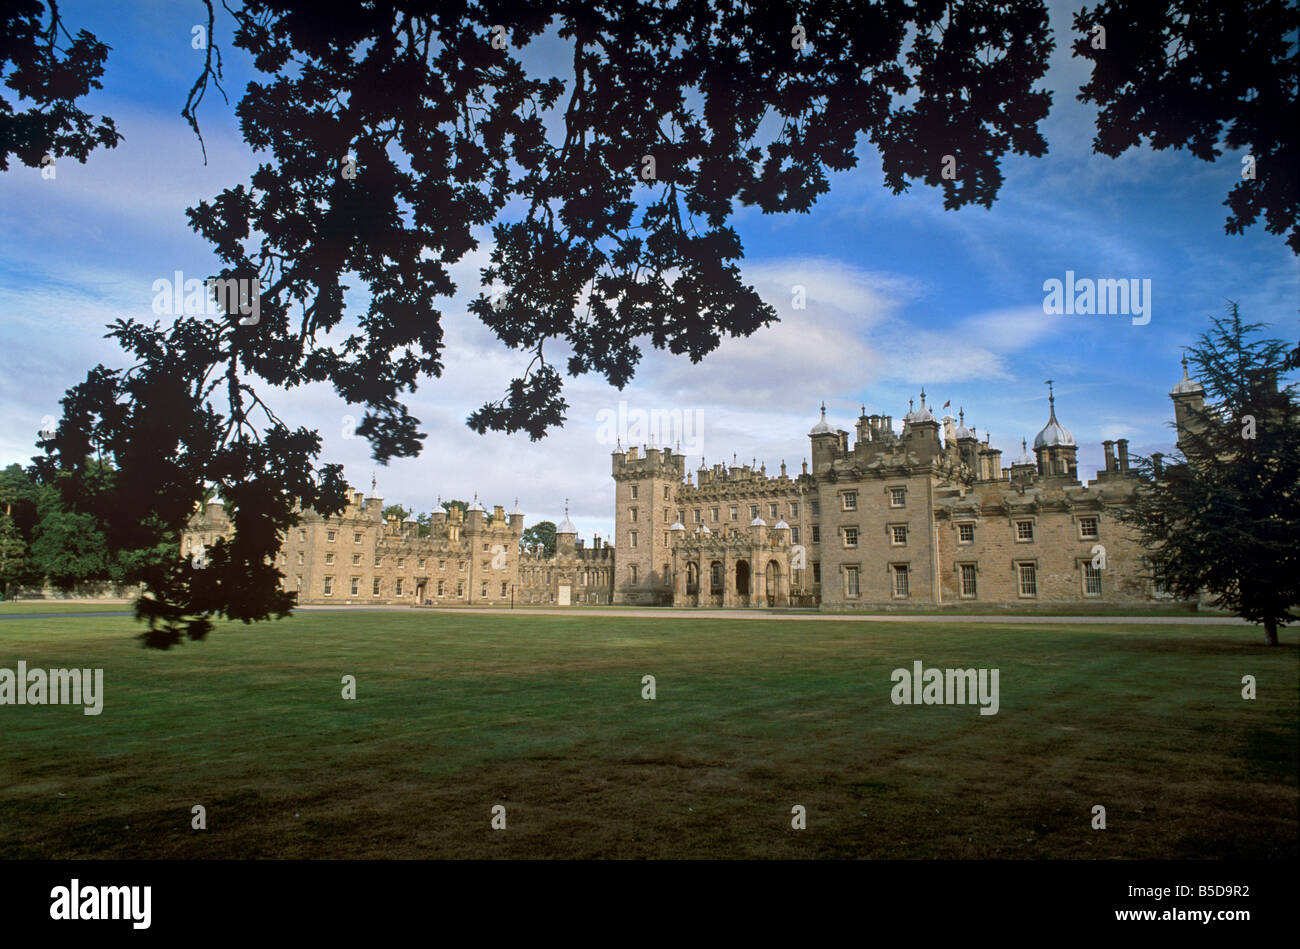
{"points": [[636, 463]]}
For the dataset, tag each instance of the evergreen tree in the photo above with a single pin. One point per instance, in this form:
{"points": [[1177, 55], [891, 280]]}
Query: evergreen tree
{"points": [[1223, 515]]}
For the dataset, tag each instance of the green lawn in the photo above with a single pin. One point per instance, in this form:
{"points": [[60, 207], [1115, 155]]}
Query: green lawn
{"points": [[458, 712]]}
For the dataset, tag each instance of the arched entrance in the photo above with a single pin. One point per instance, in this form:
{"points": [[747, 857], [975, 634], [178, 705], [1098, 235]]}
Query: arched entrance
{"points": [[773, 571], [742, 578]]}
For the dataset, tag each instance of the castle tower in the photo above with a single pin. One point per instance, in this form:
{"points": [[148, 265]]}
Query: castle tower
{"points": [[1189, 401], [1055, 447], [825, 443], [645, 498]]}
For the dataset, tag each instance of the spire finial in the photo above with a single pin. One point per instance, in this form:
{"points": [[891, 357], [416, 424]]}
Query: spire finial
{"points": [[922, 396], [1184, 364], [1051, 401], [910, 407], [823, 408], [372, 474], [961, 414]]}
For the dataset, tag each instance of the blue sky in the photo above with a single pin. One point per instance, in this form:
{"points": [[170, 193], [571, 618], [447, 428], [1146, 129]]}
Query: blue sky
{"points": [[900, 294]]}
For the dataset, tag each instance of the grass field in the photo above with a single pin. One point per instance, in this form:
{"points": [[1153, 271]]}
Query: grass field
{"points": [[458, 712]]}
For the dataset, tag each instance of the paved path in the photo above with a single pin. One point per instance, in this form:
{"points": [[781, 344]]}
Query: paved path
{"points": [[666, 613], [814, 616]]}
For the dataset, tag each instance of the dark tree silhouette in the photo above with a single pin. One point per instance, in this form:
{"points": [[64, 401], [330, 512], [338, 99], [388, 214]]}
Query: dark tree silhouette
{"points": [[52, 77], [1204, 75], [394, 136]]}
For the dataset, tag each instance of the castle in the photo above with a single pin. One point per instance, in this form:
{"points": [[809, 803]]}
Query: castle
{"points": [[924, 517]]}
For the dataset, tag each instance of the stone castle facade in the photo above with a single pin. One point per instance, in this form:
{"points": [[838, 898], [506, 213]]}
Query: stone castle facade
{"points": [[925, 517]]}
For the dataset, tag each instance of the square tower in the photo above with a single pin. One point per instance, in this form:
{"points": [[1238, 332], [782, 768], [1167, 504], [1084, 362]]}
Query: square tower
{"points": [[645, 495]]}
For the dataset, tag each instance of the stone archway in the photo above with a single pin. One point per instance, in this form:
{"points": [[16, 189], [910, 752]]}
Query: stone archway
{"points": [[773, 573], [742, 578]]}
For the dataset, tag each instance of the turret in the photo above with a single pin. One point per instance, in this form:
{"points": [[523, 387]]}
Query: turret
{"points": [[566, 534], [1054, 446], [825, 443], [1189, 402]]}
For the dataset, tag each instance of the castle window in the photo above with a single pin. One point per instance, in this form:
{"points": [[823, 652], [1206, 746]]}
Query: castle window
{"points": [[503, 588], [665, 515], [714, 513], [665, 492], [329, 586], [715, 577], [850, 537], [460, 588], [634, 489], [1088, 528], [356, 585], [898, 534], [817, 571], [852, 585], [897, 497], [1091, 579], [399, 588], [900, 580], [442, 565], [632, 538], [483, 592], [753, 511], [374, 587], [633, 510], [356, 560], [633, 573], [401, 563], [965, 533], [298, 586], [735, 512], [356, 537], [850, 500], [968, 579], [441, 585], [1028, 574], [794, 535], [378, 561], [771, 512], [1024, 531], [300, 558], [698, 515], [329, 536], [794, 509], [460, 565], [329, 558], [421, 563], [666, 544], [302, 537], [816, 534], [814, 508]]}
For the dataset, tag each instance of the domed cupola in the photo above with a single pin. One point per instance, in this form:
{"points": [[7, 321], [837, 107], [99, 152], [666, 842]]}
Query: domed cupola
{"points": [[1187, 385], [964, 433], [1054, 434], [916, 416], [823, 427]]}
